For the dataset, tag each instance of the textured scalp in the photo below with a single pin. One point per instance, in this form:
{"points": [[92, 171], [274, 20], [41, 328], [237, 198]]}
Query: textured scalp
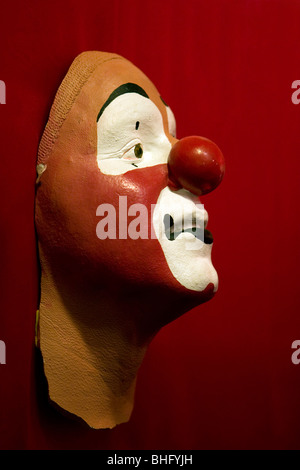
{"points": [[79, 72]]}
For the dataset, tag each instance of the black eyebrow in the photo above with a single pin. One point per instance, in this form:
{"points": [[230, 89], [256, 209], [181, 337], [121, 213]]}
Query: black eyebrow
{"points": [[126, 88], [164, 102]]}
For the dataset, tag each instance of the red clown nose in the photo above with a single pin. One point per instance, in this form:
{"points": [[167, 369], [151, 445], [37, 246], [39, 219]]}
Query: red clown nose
{"points": [[196, 164]]}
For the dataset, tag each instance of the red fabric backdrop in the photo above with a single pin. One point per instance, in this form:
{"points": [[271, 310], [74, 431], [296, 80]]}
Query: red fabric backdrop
{"points": [[220, 377]]}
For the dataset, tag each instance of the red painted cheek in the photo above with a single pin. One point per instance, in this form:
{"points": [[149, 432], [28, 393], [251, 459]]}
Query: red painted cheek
{"points": [[71, 221], [139, 260]]}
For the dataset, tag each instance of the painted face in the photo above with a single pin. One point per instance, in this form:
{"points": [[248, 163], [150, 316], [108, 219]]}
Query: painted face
{"points": [[116, 201]]}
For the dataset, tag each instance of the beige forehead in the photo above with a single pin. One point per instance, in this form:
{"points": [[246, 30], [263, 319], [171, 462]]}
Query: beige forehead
{"points": [[110, 76]]}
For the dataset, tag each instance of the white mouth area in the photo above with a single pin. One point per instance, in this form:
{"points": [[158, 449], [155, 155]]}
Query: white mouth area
{"points": [[187, 256]]}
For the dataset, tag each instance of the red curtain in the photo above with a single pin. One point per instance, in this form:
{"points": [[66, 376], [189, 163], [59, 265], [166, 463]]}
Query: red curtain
{"points": [[221, 376]]}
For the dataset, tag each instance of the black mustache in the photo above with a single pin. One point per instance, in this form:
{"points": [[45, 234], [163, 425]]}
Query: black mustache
{"points": [[203, 235]]}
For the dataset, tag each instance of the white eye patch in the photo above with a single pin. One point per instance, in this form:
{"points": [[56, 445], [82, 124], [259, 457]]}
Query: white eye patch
{"points": [[171, 121], [130, 135]]}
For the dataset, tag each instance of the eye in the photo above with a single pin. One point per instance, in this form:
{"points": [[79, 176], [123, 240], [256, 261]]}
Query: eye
{"points": [[138, 151], [134, 153]]}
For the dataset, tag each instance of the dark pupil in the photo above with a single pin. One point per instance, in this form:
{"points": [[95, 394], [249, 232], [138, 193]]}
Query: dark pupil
{"points": [[138, 151]]}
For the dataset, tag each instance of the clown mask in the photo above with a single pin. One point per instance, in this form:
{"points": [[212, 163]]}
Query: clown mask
{"points": [[122, 236]]}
